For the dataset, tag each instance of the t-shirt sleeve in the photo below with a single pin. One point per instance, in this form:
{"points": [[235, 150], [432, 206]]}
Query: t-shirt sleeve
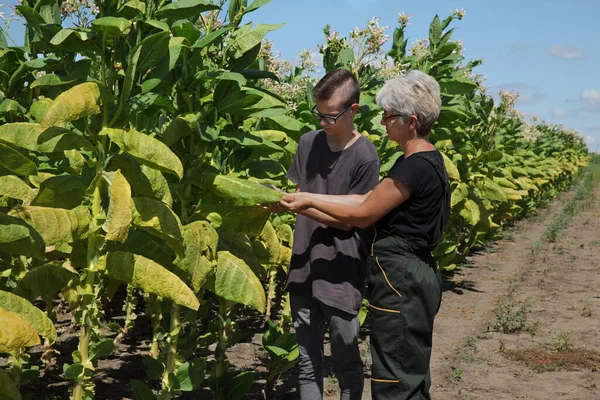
{"points": [[408, 171], [365, 178], [293, 172]]}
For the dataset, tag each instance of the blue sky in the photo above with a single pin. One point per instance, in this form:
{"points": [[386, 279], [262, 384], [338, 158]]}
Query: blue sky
{"points": [[547, 50]]}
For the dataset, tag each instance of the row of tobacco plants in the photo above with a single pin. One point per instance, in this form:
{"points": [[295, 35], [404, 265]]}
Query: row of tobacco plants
{"points": [[135, 141]]}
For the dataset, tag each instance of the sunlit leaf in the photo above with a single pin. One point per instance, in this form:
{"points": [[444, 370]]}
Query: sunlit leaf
{"points": [[236, 282], [119, 215], [78, 102], [151, 277], [30, 313]]}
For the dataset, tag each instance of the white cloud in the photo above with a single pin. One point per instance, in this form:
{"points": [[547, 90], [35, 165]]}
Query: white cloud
{"points": [[590, 100], [559, 112], [566, 52], [590, 140], [530, 98]]}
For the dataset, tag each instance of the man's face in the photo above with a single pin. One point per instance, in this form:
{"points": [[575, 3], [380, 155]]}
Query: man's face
{"points": [[335, 114]]}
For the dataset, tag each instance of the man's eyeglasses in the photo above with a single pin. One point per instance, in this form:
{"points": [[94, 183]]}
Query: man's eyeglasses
{"points": [[328, 119], [384, 118]]}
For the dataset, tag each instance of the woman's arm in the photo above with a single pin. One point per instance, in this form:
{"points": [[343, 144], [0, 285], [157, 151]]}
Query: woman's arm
{"points": [[354, 200], [312, 213], [386, 196]]}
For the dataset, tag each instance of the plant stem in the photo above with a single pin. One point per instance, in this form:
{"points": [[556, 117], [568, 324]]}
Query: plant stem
{"points": [[156, 316], [88, 288], [171, 351]]}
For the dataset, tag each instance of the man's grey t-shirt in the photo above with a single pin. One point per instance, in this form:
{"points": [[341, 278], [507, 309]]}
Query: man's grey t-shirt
{"points": [[329, 263]]}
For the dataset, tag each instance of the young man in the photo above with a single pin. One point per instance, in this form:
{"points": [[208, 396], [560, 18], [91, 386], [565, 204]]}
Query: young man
{"points": [[326, 277]]}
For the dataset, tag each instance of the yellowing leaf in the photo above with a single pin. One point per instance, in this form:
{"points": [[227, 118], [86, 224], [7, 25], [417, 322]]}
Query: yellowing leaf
{"points": [[15, 333], [159, 220], [236, 282], [119, 215], [200, 240], [151, 277], [267, 248], [79, 101], [470, 212], [58, 227], [450, 168], [16, 237], [12, 186], [30, 313], [147, 150], [46, 280]]}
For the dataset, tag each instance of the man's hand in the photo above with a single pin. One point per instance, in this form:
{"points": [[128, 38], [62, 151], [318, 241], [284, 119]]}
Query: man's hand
{"points": [[296, 202], [277, 208]]}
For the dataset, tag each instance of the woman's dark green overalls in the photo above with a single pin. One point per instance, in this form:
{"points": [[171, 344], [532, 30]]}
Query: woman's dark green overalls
{"points": [[404, 289]]}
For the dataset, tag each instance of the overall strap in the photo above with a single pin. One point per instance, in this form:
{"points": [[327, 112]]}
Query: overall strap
{"points": [[443, 175]]}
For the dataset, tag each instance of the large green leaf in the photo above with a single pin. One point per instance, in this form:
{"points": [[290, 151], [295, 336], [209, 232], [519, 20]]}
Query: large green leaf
{"points": [[144, 181], [245, 219], [78, 102], [30, 313], [11, 106], [33, 137], [200, 239], [111, 25], [147, 150], [144, 244], [244, 40], [240, 246], [63, 191], [46, 280], [183, 9], [119, 215], [16, 237], [250, 140], [15, 333], [131, 9], [12, 186], [51, 80], [151, 277], [211, 37], [12, 160], [182, 126], [151, 51], [159, 220], [236, 282], [239, 191], [58, 227], [457, 86]]}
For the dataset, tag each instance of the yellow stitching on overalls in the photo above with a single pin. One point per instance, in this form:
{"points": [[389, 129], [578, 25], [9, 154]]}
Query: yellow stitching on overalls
{"points": [[385, 380], [386, 278], [384, 309], [373, 244]]}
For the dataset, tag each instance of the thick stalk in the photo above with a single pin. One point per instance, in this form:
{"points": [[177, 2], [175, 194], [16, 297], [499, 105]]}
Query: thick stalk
{"points": [[155, 316], [88, 288], [270, 291], [171, 351], [222, 339]]}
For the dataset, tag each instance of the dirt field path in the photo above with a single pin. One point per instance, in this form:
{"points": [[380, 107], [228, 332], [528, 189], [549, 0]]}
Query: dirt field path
{"points": [[548, 291]]}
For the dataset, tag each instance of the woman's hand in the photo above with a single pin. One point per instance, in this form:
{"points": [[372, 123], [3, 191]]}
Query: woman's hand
{"points": [[296, 202]]}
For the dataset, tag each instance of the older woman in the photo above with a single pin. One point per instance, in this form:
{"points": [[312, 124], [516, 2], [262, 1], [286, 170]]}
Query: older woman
{"points": [[408, 210]]}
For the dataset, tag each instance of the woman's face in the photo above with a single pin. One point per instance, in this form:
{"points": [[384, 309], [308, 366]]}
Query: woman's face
{"points": [[397, 129]]}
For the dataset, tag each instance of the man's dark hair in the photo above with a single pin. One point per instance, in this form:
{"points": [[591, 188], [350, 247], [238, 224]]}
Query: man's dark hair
{"points": [[335, 80]]}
